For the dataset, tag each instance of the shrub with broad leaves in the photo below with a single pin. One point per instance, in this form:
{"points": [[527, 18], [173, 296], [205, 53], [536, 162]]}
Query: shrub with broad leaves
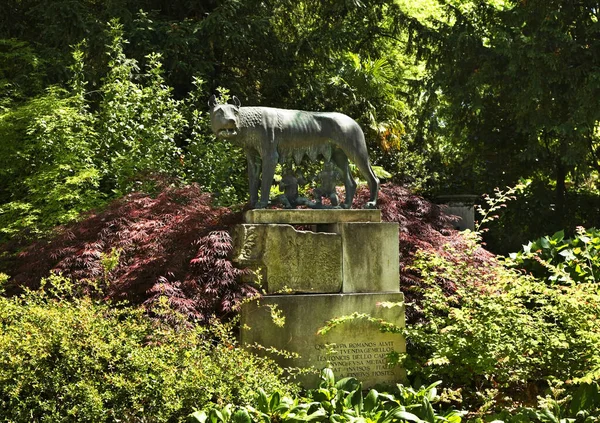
{"points": [[560, 259], [339, 401]]}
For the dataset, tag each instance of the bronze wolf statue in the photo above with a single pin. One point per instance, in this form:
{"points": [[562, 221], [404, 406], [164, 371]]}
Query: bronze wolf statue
{"points": [[270, 135]]}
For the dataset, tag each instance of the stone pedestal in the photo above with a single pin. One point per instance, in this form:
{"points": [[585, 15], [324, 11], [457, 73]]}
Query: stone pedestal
{"points": [[462, 206], [370, 256], [288, 260], [349, 251], [347, 265]]}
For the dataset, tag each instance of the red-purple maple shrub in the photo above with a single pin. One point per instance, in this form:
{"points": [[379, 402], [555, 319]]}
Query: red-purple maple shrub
{"points": [[177, 245]]}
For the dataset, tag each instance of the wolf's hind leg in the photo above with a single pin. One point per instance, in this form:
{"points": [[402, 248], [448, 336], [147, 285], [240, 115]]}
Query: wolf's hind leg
{"points": [[341, 161]]}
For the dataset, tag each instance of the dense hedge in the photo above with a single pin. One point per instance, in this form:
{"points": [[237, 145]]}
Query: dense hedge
{"points": [[77, 360]]}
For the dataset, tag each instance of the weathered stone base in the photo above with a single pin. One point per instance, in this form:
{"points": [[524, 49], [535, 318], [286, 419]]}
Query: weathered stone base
{"points": [[289, 260], [370, 256], [361, 349], [346, 257]]}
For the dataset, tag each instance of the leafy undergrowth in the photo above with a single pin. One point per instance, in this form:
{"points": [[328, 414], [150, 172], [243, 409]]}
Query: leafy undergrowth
{"points": [[342, 401], [176, 244], [346, 401], [561, 259], [502, 335]]}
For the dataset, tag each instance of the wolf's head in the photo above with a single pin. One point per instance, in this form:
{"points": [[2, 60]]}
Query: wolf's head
{"points": [[224, 118]]}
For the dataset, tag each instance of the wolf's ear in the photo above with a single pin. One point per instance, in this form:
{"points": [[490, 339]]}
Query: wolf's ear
{"points": [[236, 101], [212, 101]]}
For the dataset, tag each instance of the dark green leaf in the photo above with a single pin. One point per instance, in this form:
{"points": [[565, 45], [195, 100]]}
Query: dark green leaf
{"points": [[274, 401], [262, 401], [586, 397], [371, 401], [241, 416], [427, 412], [558, 236], [348, 384]]}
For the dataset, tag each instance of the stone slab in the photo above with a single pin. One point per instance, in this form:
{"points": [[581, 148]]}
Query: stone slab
{"points": [[289, 260], [370, 256], [348, 257], [312, 216], [360, 348], [462, 206]]}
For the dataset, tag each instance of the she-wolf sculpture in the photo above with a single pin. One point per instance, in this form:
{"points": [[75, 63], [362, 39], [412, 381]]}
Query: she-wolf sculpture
{"points": [[270, 135]]}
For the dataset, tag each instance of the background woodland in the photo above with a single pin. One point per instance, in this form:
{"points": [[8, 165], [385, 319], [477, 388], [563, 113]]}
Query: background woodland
{"points": [[455, 97]]}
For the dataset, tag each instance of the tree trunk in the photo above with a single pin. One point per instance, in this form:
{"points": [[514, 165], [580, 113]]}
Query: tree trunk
{"points": [[561, 175]]}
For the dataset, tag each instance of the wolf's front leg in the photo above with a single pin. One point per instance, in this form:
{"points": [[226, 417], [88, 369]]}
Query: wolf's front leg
{"points": [[253, 176], [268, 172]]}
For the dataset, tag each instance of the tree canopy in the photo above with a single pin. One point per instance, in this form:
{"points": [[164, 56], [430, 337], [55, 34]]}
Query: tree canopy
{"points": [[97, 98]]}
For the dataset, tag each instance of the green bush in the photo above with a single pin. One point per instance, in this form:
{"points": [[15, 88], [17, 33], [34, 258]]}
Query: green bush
{"points": [[69, 149], [47, 175], [138, 120], [78, 360], [63, 154], [562, 260], [500, 335], [218, 165]]}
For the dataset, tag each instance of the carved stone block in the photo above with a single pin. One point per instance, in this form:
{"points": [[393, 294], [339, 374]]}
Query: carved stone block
{"points": [[289, 260], [349, 256]]}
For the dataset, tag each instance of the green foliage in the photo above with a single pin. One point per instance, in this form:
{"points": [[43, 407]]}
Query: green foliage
{"points": [[563, 260], [500, 335], [20, 71], [561, 405], [511, 94], [533, 215], [337, 402], [138, 122], [496, 202], [68, 358], [583, 405], [47, 170], [62, 158], [68, 150], [109, 262], [218, 165]]}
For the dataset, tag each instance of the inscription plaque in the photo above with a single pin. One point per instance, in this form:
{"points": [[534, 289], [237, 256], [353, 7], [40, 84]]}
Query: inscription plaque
{"points": [[363, 360]]}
